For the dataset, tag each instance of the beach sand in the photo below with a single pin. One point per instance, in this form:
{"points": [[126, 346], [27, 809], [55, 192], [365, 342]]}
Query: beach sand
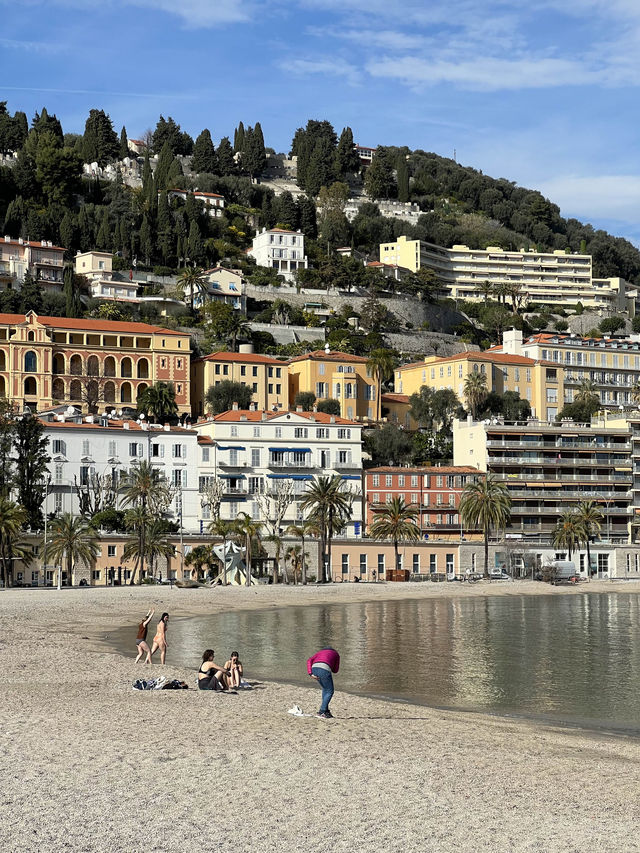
{"points": [[88, 764]]}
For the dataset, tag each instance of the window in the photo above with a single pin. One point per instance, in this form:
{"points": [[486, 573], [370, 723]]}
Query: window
{"points": [[254, 371], [363, 564], [345, 564], [57, 503], [416, 564], [270, 388], [301, 432], [255, 457], [389, 480], [176, 476], [234, 432], [135, 449], [233, 457], [57, 472], [344, 433], [256, 432], [401, 479], [380, 564], [376, 497], [30, 362], [603, 563], [449, 564], [376, 479], [321, 432], [111, 550], [176, 451], [85, 447], [59, 446], [84, 475], [112, 449], [433, 563], [243, 370], [205, 454], [278, 432], [157, 451], [95, 574], [414, 480]]}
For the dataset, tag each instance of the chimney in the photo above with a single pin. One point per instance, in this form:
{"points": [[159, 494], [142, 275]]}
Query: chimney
{"points": [[243, 417], [264, 416], [512, 341], [332, 419], [126, 425], [167, 427], [7, 239], [89, 419], [234, 407], [315, 408], [298, 408]]}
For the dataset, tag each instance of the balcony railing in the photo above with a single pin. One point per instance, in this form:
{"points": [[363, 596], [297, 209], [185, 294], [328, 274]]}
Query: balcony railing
{"points": [[561, 477], [235, 490], [348, 463], [555, 493], [290, 463], [577, 445], [563, 460]]}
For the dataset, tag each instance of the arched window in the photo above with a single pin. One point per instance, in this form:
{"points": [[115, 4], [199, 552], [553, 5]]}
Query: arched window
{"points": [[58, 363], [75, 365], [125, 392], [125, 367], [110, 366], [30, 387], [30, 362], [482, 369], [475, 368], [143, 368], [31, 336], [142, 387], [75, 391], [93, 366], [109, 392], [3, 389], [58, 390]]}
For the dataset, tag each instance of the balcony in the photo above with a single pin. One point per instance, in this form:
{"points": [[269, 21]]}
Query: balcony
{"points": [[348, 463], [562, 477], [290, 463], [235, 490], [228, 463], [577, 445], [559, 494], [563, 461]]}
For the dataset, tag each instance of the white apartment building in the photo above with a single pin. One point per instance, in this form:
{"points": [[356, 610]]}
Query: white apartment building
{"points": [[280, 249], [97, 268], [554, 278], [92, 452], [40, 257], [253, 452]]}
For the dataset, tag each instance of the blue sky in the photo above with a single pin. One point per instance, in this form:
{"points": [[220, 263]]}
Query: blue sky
{"points": [[543, 96]]}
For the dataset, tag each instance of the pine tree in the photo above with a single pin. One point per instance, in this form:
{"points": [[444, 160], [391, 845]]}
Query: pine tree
{"points": [[204, 154], [44, 123], [378, 179], [224, 156], [30, 447], [402, 178], [238, 139], [346, 155], [31, 294], [124, 143], [286, 210]]}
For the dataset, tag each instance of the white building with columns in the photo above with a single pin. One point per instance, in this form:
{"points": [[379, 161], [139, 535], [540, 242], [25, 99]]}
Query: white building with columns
{"points": [[280, 249]]}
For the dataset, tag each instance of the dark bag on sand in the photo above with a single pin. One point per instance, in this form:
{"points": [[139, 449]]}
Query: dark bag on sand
{"points": [[175, 685]]}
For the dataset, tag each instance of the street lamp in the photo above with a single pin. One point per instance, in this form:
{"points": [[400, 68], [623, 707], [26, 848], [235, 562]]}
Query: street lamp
{"points": [[47, 485]]}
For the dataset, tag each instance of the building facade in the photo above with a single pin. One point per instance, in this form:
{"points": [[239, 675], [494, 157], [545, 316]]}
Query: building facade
{"points": [[549, 468], [40, 258], [267, 377], [97, 267], [213, 202], [254, 453], [433, 492], [540, 382], [555, 278], [46, 361], [337, 376], [222, 285], [281, 250]]}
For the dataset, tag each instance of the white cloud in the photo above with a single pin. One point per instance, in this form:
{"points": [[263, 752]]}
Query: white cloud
{"points": [[388, 39], [199, 13], [596, 197], [333, 67], [31, 46]]}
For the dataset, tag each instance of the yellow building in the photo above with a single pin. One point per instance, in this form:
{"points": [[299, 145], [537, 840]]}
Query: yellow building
{"points": [[541, 383], [266, 376], [338, 376], [395, 408]]}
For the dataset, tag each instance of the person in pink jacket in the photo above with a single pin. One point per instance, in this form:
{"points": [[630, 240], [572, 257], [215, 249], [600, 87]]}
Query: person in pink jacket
{"points": [[322, 666]]}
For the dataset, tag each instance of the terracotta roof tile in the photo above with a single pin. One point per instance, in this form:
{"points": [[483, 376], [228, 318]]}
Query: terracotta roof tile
{"points": [[321, 355], [427, 469], [244, 357], [89, 325], [395, 398], [235, 415]]}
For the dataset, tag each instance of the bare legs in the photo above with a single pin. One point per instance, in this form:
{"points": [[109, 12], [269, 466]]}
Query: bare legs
{"points": [[142, 649], [163, 651]]}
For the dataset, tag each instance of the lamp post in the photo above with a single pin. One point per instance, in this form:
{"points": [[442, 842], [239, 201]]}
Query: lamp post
{"points": [[47, 485], [179, 507]]}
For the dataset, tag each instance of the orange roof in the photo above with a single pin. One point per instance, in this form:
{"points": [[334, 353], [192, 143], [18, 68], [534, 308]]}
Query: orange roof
{"points": [[33, 244], [134, 426], [395, 398], [494, 357], [427, 469], [250, 357], [234, 415], [209, 195], [321, 355], [279, 231], [88, 325]]}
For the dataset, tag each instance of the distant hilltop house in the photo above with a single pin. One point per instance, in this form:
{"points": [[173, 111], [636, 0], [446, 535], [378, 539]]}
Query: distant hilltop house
{"points": [[40, 258], [223, 285], [137, 146], [365, 153], [280, 249], [213, 202]]}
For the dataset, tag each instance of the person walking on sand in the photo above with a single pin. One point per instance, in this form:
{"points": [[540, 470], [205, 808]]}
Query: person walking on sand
{"points": [[323, 666], [141, 639], [160, 639], [234, 666]]}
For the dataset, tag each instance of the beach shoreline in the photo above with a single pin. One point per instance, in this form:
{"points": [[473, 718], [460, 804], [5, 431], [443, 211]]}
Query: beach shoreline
{"points": [[88, 764]]}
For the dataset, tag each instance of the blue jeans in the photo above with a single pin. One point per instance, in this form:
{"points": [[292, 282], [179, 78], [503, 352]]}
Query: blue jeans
{"points": [[325, 679]]}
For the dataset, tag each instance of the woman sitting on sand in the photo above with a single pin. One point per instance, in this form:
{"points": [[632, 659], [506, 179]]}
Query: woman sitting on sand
{"points": [[141, 639], [234, 666], [210, 675], [160, 639]]}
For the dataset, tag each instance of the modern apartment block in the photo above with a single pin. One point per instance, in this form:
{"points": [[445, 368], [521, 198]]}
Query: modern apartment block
{"points": [[280, 249], [267, 377], [549, 468], [46, 361], [538, 381], [339, 376], [434, 493], [39, 257], [554, 278], [611, 364], [252, 452]]}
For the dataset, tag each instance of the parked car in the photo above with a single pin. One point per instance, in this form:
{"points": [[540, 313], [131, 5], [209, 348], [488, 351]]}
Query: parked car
{"points": [[499, 575]]}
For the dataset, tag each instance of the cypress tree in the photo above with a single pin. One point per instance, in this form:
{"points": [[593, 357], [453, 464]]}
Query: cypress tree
{"points": [[286, 210], [31, 294], [100, 141], [68, 230], [346, 155], [146, 239], [238, 138], [71, 293], [402, 178], [308, 220], [148, 186], [224, 155], [378, 179], [103, 237], [195, 246], [124, 143], [204, 154], [163, 166]]}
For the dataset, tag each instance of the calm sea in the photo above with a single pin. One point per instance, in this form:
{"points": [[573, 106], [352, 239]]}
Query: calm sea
{"points": [[572, 659]]}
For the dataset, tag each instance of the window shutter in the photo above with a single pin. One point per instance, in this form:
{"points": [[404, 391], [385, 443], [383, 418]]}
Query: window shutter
{"points": [[184, 478], [162, 450], [184, 451], [140, 450]]}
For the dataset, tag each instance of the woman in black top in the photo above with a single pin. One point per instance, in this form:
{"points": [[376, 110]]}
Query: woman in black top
{"points": [[210, 675]]}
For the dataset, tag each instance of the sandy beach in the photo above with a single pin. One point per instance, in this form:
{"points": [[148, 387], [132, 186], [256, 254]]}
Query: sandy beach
{"points": [[88, 764]]}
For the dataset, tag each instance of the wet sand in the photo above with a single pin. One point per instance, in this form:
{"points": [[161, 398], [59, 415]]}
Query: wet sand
{"points": [[88, 764]]}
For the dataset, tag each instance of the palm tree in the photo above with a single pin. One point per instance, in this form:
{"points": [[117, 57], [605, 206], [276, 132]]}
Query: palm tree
{"points": [[569, 532], [237, 326], [155, 543], [485, 503], [486, 289], [195, 281], [223, 529], [396, 521], [159, 400], [590, 516], [635, 392], [248, 532], [587, 392], [71, 540], [12, 520], [306, 528], [328, 508], [146, 491], [296, 556], [380, 365], [276, 540], [475, 391]]}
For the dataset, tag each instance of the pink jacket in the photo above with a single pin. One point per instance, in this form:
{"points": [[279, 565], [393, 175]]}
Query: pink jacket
{"points": [[328, 656]]}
